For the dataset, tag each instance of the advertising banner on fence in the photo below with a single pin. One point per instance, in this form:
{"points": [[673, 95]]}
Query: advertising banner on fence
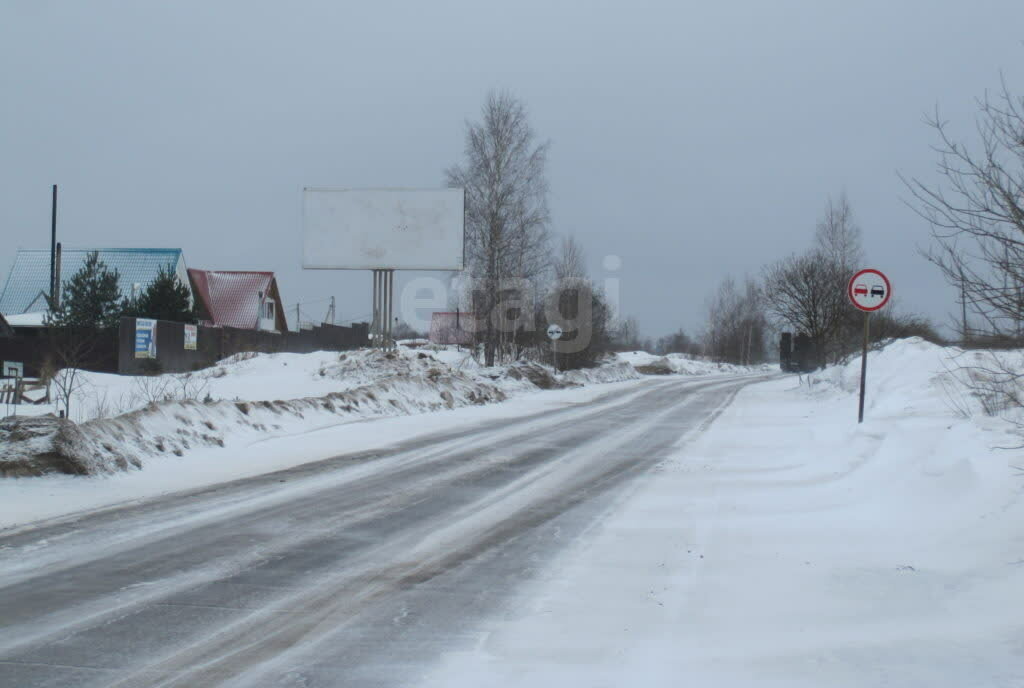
{"points": [[145, 338], [191, 337]]}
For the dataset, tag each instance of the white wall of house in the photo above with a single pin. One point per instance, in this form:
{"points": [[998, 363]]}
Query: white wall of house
{"points": [[182, 273], [267, 312]]}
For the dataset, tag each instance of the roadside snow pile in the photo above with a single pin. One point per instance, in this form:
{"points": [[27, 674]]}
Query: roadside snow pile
{"points": [[909, 375], [683, 364], [251, 397], [533, 374], [46, 444], [613, 371], [367, 384], [123, 420]]}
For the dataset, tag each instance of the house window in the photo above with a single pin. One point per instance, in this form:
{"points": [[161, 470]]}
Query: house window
{"points": [[268, 310]]}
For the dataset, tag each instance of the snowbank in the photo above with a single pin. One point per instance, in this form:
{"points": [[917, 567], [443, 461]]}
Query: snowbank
{"points": [[909, 375], [249, 397], [613, 371], [683, 364], [122, 421]]}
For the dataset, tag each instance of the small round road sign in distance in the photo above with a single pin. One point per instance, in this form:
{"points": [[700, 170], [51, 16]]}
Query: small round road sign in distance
{"points": [[869, 290], [554, 332]]}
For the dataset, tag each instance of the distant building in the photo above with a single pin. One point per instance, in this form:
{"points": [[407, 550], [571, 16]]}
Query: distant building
{"points": [[28, 283], [30, 324], [236, 298], [451, 328]]}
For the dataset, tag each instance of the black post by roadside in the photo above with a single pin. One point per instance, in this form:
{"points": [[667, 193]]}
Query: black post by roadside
{"points": [[863, 366], [53, 245]]}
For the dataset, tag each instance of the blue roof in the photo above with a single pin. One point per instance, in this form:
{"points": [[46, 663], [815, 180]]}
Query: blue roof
{"points": [[30, 275]]}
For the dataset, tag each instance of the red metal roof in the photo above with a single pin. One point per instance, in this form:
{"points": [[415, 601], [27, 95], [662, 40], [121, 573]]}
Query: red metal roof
{"points": [[232, 298]]}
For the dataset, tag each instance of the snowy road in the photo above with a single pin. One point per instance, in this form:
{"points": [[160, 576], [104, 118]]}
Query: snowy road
{"points": [[356, 571]]}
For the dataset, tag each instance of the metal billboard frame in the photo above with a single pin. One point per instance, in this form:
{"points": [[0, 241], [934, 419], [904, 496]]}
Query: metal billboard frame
{"points": [[383, 273]]}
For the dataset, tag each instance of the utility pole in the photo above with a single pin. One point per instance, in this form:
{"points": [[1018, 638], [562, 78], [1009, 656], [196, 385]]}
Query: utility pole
{"points": [[55, 297], [54, 277], [298, 325]]}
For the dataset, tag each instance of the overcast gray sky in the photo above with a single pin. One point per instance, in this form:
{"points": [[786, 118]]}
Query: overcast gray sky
{"points": [[692, 139]]}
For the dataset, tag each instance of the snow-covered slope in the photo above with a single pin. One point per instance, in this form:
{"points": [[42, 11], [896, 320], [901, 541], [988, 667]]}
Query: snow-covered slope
{"points": [[251, 397], [682, 364], [122, 421]]}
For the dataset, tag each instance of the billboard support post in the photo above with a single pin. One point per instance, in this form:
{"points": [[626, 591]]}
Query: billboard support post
{"points": [[375, 316], [391, 307], [383, 305]]}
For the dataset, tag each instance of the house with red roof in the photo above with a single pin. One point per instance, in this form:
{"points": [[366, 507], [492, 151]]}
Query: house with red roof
{"points": [[238, 298]]}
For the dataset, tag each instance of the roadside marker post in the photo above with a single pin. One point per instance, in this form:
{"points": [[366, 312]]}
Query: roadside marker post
{"points": [[869, 290], [554, 334]]}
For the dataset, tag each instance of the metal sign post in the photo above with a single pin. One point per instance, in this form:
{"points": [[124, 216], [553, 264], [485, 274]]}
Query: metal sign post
{"points": [[554, 334], [869, 290]]}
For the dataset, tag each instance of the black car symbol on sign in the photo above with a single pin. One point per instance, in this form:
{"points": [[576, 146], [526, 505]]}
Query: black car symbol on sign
{"points": [[878, 290]]}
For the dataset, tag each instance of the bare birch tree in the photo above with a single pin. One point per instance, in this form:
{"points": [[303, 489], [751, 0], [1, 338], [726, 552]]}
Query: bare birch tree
{"points": [[802, 295], [736, 323], [504, 176], [837, 237], [807, 293], [570, 264]]}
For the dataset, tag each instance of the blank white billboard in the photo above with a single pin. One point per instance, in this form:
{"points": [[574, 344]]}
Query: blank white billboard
{"points": [[397, 229]]}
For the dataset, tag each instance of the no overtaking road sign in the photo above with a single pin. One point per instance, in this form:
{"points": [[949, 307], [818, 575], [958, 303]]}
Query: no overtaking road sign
{"points": [[869, 290]]}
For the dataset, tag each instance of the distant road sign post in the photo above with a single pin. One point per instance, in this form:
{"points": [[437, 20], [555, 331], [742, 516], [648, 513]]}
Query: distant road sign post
{"points": [[554, 334], [869, 290]]}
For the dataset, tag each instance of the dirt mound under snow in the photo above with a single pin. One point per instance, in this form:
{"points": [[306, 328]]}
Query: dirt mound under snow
{"points": [[36, 445]]}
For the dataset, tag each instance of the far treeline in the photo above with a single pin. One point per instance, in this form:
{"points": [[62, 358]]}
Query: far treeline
{"points": [[519, 272], [975, 210]]}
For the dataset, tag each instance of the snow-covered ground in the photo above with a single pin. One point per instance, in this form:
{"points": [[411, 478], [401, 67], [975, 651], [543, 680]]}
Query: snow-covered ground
{"points": [[256, 413], [251, 397], [790, 546], [24, 500]]}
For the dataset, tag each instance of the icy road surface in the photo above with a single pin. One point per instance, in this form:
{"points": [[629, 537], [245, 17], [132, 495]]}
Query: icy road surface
{"points": [[361, 570]]}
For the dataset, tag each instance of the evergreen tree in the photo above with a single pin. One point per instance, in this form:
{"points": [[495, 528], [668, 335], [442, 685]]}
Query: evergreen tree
{"points": [[90, 299], [166, 298]]}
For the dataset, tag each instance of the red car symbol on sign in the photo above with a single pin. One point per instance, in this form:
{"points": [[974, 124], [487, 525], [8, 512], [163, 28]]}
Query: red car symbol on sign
{"points": [[860, 289]]}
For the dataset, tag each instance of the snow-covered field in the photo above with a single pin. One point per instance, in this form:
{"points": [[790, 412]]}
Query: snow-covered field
{"points": [[790, 546]]}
